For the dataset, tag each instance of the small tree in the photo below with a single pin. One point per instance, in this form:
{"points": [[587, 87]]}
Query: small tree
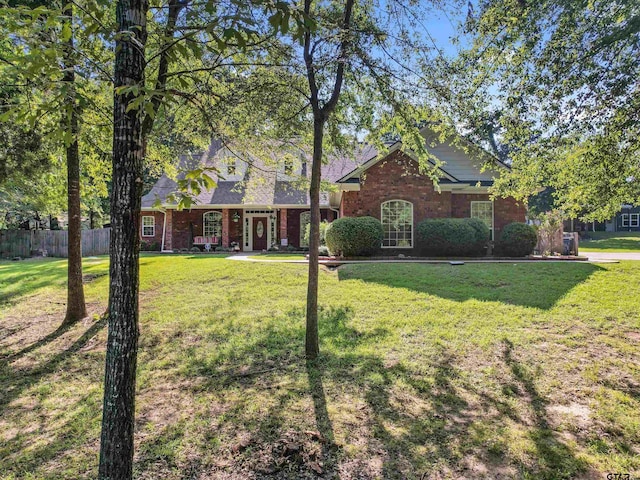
{"points": [[550, 232]]}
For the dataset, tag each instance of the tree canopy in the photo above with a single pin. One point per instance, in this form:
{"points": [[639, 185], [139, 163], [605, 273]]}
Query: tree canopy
{"points": [[555, 87]]}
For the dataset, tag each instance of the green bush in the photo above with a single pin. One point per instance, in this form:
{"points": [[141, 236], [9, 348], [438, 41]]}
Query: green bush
{"points": [[441, 237], [354, 236], [323, 251], [483, 234], [149, 246], [517, 240], [324, 226], [195, 250]]}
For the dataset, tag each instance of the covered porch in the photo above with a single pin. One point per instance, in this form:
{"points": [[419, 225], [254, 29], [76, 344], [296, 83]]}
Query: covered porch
{"points": [[241, 229]]}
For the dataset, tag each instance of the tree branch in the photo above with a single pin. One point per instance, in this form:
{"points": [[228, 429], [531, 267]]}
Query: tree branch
{"points": [[342, 58]]}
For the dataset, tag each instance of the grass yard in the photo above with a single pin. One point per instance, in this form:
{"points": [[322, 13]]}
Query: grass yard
{"points": [[614, 242], [526, 371]]}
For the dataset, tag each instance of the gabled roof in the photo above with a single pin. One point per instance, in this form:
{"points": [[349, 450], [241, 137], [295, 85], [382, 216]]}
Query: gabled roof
{"points": [[458, 165], [258, 181], [261, 181]]}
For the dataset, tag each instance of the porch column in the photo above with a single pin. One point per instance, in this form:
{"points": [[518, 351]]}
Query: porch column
{"points": [[225, 227], [168, 233], [283, 224]]}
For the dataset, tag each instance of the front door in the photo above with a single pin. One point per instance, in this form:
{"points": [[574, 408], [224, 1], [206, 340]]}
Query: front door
{"points": [[260, 233]]}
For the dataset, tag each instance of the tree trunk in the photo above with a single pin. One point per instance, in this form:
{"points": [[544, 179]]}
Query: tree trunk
{"points": [[311, 341], [116, 448], [76, 308]]}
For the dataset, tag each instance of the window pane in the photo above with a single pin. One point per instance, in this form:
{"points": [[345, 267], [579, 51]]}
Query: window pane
{"points": [[148, 226], [397, 223], [212, 224], [483, 211]]}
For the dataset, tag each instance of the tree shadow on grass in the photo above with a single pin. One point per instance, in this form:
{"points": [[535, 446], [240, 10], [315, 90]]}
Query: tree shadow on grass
{"points": [[63, 429], [22, 279], [14, 381], [418, 421], [554, 459], [537, 285]]}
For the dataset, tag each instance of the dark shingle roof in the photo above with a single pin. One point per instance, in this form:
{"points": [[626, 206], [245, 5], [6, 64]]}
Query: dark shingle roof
{"points": [[259, 183]]}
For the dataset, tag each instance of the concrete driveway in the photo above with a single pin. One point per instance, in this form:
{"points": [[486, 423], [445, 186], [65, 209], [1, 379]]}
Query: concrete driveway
{"points": [[596, 256]]}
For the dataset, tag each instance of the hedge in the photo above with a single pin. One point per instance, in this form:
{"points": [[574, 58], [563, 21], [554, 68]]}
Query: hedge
{"points": [[354, 236], [452, 237], [517, 240]]}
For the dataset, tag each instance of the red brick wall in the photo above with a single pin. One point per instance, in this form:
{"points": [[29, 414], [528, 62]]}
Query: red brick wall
{"points": [[293, 225], [182, 221], [159, 221], [507, 210], [293, 222], [398, 178]]}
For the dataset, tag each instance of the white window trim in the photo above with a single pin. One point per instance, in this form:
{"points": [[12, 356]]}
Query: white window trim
{"points": [[625, 219], [493, 214], [634, 220], [233, 163], [153, 225], [204, 222], [247, 234], [412, 224]]}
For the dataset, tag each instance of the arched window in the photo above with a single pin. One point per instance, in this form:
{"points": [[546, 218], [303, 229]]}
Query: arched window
{"points": [[305, 219], [397, 224], [212, 224]]}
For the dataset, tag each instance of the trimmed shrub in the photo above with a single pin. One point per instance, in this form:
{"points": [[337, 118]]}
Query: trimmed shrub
{"points": [[149, 246], [483, 234], [323, 251], [195, 250], [324, 226], [517, 240], [354, 236], [460, 237]]}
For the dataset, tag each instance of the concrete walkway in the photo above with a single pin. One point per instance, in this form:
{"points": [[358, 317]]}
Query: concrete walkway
{"points": [[600, 256], [274, 259]]}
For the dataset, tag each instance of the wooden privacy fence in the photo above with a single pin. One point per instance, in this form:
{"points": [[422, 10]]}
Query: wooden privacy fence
{"points": [[25, 243]]}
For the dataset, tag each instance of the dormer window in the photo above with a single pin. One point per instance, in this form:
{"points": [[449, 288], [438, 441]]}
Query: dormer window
{"points": [[231, 167], [288, 167]]}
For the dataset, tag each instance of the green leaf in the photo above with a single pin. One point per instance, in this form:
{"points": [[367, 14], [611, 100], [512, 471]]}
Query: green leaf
{"points": [[66, 32]]}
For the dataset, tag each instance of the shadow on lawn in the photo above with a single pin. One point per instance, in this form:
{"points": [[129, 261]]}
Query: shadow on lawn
{"points": [[54, 432], [555, 459], [416, 422], [28, 276], [537, 285], [14, 381]]}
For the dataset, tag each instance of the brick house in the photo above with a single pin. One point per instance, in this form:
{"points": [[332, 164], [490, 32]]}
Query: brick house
{"points": [[258, 204]]}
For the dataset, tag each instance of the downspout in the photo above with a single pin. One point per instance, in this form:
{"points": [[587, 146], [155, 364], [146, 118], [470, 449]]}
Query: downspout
{"points": [[337, 212]]}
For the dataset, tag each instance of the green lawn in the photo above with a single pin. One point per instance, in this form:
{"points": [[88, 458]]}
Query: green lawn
{"points": [[614, 242], [428, 371]]}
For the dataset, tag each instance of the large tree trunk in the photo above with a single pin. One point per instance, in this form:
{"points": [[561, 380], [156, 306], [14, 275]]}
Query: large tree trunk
{"points": [[116, 448], [76, 308], [311, 342]]}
